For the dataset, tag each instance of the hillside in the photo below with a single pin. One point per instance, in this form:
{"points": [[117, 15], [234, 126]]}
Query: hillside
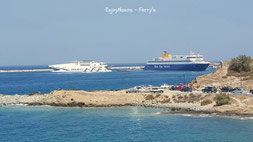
{"points": [[224, 77]]}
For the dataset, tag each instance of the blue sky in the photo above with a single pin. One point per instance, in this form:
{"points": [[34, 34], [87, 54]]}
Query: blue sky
{"points": [[41, 32]]}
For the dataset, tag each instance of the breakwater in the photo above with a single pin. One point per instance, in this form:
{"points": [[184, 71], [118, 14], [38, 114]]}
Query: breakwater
{"points": [[129, 68], [33, 70]]}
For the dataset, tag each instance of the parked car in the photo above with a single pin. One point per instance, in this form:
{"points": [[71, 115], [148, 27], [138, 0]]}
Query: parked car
{"points": [[239, 91], [209, 89], [180, 87], [165, 87], [145, 89], [156, 90], [251, 91], [227, 89], [186, 89], [136, 89], [132, 91], [174, 87]]}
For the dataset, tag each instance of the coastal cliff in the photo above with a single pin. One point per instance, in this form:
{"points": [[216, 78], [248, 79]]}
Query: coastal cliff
{"points": [[224, 77], [176, 102]]}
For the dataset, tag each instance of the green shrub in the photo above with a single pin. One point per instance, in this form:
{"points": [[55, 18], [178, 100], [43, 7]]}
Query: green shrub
{"points": [[222, 99], [241, 63]]}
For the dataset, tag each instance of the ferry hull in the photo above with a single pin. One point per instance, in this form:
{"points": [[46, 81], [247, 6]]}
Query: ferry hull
{"points": [[177, 67]]}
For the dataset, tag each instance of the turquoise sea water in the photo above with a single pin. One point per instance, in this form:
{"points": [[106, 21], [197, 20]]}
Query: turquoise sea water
{"points": [[119, 124]]}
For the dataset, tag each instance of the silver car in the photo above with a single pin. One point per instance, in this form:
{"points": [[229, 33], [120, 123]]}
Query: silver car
{"points": [[239, 91]]}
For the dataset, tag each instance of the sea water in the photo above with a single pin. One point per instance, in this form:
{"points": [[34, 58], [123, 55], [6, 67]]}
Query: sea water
{"points": [[119, 124], [45, 82]]}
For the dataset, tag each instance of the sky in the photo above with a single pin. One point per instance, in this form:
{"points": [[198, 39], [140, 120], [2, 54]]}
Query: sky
{"points": [[43, 32]]}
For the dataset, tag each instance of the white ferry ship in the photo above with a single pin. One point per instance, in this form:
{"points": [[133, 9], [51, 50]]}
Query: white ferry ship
{"points": [[168, 62], [87, 66]]}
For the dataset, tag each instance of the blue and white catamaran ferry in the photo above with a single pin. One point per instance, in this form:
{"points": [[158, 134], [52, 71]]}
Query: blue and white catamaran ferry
{"points": [[168, 62]]}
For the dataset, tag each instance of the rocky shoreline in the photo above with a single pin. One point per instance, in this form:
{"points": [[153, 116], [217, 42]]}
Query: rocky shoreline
{"points": [[195, 103]]}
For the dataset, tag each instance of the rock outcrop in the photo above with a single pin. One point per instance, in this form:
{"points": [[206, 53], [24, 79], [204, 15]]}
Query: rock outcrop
{"points": [[223, 77], [180, 102]]}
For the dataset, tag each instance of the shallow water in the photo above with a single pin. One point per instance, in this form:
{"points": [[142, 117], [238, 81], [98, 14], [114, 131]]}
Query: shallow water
{"points": [[123, 124]]}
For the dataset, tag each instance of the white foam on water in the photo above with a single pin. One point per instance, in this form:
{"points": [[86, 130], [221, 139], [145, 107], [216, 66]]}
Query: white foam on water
{"points": [[157, 113], [246, 118], [197, 115], [17, 105], [205, 115], [188, 115]]}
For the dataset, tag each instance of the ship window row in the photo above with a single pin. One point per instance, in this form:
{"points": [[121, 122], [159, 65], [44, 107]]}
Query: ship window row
{"points": [[170, 61], [193, 57], [85, 65], [76, 69]]}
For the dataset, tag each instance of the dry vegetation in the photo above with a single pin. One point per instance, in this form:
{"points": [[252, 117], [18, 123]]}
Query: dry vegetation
{"points": [[206, 102], [222, 99], [224, 76]]}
